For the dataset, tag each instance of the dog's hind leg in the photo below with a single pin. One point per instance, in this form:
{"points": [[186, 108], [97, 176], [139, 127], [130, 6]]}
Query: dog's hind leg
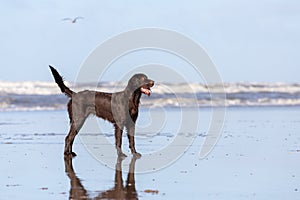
{"points": [[69, 140], [76, 119]]}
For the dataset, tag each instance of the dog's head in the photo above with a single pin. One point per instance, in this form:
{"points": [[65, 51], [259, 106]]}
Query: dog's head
{"points": [[140, 83]]}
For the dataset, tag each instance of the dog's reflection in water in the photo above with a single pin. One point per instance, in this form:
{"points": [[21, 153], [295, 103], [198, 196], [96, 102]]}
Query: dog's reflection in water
{"points": [[119, 191]]}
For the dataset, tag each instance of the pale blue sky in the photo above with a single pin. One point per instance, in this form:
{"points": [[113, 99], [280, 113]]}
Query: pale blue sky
{"points": [[256, 41]]}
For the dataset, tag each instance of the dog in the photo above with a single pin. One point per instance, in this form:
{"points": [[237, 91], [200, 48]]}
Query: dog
{"points": [[120, 108]]}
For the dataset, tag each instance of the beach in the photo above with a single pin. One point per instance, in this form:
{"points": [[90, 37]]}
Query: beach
{"points": [[209, 88], [256, 157]]}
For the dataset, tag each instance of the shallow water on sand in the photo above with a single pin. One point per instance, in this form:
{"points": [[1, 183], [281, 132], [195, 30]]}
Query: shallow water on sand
{"points": [[256, 157]]}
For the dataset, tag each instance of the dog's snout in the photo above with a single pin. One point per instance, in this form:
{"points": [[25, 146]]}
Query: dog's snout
{"points": [[151, 83]]}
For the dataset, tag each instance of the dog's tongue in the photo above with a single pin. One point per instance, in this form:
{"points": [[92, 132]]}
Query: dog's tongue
{"points": [[146, 91]]}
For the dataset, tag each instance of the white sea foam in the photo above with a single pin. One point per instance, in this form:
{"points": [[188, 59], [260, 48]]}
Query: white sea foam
{"points": [[47, 95]]}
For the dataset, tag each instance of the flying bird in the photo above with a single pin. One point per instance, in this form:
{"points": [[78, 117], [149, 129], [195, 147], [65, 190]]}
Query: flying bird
{"points": [[72, 20]]}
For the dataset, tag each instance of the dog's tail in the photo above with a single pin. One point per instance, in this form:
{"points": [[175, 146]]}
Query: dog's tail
{"points": [[60, 82]]}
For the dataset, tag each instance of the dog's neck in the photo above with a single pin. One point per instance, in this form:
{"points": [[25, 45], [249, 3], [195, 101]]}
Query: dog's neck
{"points": [[134, 95]]}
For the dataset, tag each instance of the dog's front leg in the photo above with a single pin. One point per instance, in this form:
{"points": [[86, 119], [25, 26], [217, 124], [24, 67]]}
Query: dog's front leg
{"points": [[130, 135], [118, 137]]}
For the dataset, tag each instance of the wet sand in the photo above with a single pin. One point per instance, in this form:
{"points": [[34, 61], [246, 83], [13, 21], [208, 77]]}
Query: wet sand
{"points": [[257, 157]]}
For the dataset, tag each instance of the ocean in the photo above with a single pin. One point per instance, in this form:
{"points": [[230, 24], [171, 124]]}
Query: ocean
{"points": [[30, 96]]}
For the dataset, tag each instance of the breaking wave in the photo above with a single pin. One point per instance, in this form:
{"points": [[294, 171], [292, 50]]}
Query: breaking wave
{"points": [[47, 96]]}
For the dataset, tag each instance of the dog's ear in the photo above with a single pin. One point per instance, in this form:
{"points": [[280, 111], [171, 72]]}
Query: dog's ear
{"points": [[133, 83]]}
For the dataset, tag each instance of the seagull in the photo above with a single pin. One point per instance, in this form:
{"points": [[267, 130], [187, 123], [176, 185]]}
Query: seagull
{"points": [[72, 20]]}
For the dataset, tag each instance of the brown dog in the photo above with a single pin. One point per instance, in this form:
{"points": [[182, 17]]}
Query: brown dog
{"points": [[120, 108]]}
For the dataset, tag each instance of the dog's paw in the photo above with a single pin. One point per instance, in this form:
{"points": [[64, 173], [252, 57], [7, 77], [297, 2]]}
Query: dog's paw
{"points": [[73, 154], [137, 155], [121, 155], [70, 154]]}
